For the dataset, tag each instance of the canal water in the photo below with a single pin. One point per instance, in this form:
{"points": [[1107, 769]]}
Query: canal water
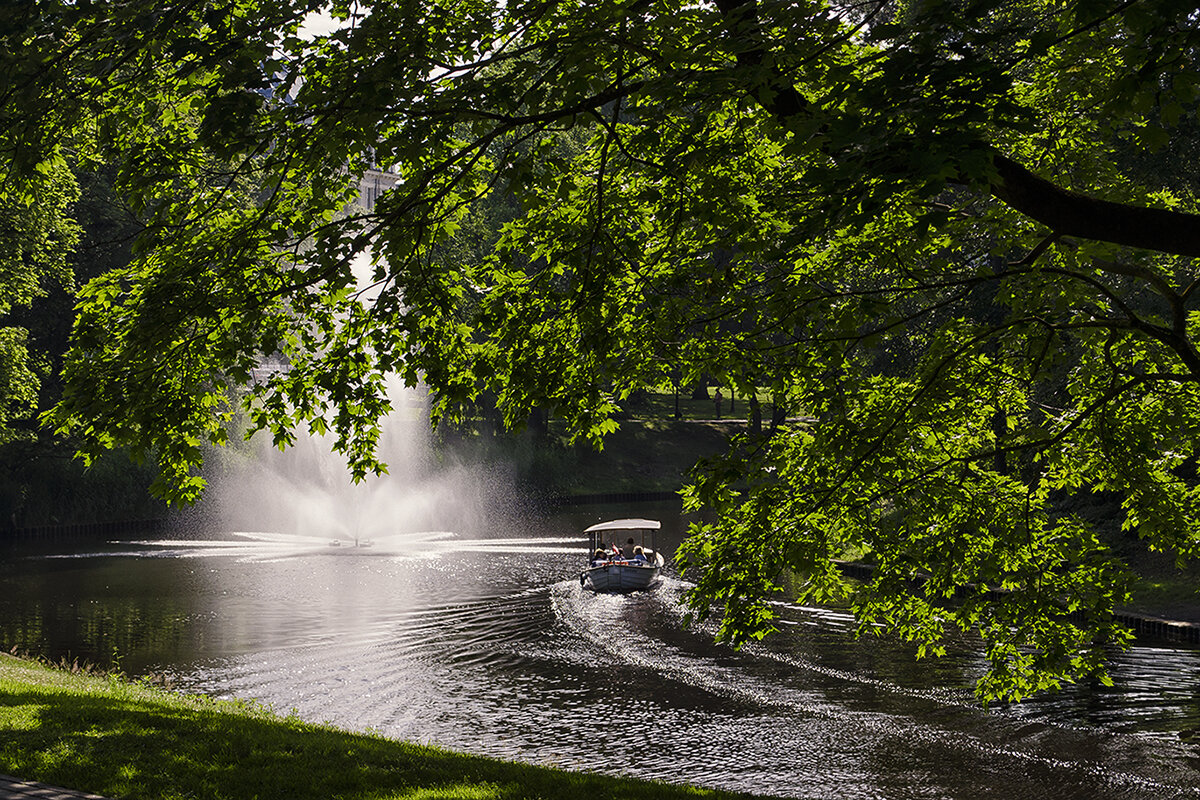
{"points": [[482, 640]]}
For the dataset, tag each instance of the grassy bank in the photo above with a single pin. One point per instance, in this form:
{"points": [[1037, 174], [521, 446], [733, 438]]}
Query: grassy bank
{"points": [[108, 736], [652, 450], [641, 456]]}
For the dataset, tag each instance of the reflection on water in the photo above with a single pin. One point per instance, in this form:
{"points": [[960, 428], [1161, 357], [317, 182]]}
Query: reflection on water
{"points": [[488, 644]]}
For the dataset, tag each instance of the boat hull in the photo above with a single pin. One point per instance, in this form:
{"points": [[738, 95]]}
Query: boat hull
{"points": [[620, 577]]}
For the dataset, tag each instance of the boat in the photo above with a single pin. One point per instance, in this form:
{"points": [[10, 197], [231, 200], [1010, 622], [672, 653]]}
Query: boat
{"points": [[617, 568]]}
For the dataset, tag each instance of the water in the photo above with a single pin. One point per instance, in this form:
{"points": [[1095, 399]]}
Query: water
{"points": [[420, 606], [481, 639]]}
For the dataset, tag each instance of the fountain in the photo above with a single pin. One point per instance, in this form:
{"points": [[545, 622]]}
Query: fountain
{"points": [[305, 495]]}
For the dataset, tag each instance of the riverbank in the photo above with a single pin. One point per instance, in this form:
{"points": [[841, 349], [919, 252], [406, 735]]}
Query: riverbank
{"points": [[105, 735]]}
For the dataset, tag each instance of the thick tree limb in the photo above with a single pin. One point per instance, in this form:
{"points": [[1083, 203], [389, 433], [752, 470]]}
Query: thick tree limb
{"points": [[1064, 212], [1070, 213]]}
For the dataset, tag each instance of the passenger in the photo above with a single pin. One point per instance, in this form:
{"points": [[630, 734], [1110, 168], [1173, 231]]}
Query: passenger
{"points": [[639, 556], [628, 549], [599, 557]]}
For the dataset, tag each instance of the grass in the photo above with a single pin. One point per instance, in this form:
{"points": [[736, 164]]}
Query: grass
{"points": [[1175, 597], [662, 405], [106, 735], [1162, 587], [641, 456], [651, 451]]}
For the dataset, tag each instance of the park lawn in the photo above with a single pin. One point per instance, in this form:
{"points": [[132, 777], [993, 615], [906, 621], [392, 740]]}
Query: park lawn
{"points": [[664, 404], [650, 451], [106, 735], [643, 456]]}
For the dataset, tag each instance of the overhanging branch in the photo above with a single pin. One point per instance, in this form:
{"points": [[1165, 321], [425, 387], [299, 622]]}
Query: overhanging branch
{"points": [[1070, 213], [1064, 212]]}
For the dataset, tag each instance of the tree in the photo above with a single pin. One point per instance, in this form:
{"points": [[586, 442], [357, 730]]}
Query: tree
{"points": [[36, 239], [933, 226]]}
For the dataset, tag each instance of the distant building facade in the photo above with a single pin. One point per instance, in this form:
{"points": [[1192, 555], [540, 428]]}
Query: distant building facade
{"points": [[373, 184]]}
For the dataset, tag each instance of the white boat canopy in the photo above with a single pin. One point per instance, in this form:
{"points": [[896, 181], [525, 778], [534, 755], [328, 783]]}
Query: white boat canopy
{"points": [[626, 525]]}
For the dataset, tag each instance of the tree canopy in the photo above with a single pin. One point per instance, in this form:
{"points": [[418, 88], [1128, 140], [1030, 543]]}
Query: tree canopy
{"points": [[960, 234]]}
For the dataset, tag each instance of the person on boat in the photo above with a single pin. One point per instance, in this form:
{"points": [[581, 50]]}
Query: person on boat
{"points": [[639, 556], [599, 557], [627, 550]]}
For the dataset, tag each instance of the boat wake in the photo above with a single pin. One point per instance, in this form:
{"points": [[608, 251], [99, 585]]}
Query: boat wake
{"points": [[814, 699]]}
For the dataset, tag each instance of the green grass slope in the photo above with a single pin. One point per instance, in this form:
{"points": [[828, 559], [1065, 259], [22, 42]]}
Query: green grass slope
{"points": [[125, 740]]}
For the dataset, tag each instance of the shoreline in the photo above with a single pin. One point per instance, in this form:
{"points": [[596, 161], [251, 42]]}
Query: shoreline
{"points": [[1145, 626], [105, 736], [1153, 628]]}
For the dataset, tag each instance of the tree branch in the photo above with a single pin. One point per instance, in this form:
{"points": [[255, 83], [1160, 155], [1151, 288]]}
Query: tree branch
{"points": [[1069, 213], [1064, 212]]}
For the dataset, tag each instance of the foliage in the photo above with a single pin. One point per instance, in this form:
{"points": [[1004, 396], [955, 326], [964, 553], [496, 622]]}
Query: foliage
{"points": [[938, 228], [36, 238]]}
